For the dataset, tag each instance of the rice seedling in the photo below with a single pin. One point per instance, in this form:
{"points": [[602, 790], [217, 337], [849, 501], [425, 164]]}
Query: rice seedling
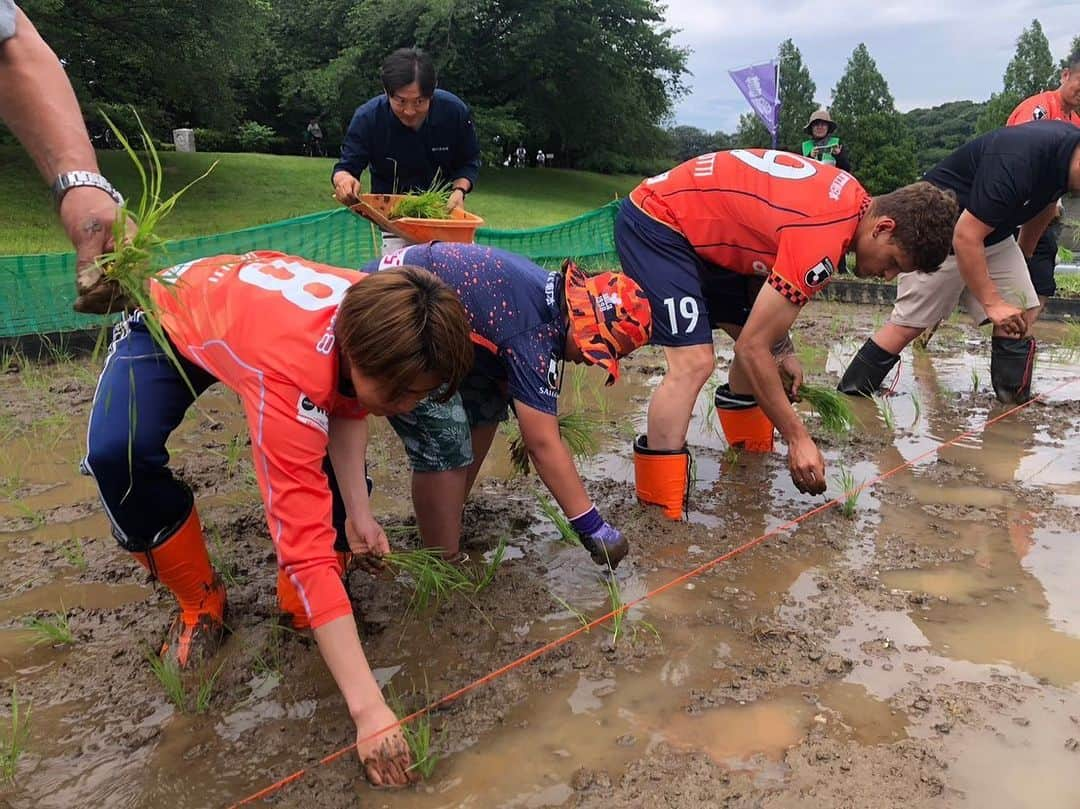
{"points": [[418, 736], [582, 618], [14, 745], [1071, 338], [483, 578], [618, 608], [74, 553], [429, 204], [577, 429], [234, 451], [832, 407], [845, 480], [54, 629], [916, 404], [974, 381], [731, 458], [205, 691], [270, 660], [554, 513], [708, 407], [434, 579], [885, 410], [168, 674], [225, 568], [138, 255], [32, 515]]}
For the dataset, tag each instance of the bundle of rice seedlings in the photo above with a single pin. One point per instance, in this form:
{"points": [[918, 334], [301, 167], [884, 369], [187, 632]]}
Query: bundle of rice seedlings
{"points": [[138, 256], [836, 413], [429, 204], [434, 579], [578, 430]]}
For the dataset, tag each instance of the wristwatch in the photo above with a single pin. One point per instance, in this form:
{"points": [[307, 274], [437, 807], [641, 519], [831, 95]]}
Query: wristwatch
{"points": [[79, 179]]}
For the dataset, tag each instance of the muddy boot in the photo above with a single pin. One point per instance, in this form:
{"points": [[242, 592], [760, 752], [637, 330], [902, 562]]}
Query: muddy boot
{"points": [[744, 423], [868, 369], [180, 562], [1011, 365], [662, 477]]}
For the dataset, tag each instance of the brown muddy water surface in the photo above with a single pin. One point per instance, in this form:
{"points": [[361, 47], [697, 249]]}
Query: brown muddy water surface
{"points": [[925, 652]]}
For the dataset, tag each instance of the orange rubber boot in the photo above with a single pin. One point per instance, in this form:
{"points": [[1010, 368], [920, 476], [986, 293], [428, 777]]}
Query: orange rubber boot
{"points": [[744, 423], [289, 601], [662, 477], [181, 563]]}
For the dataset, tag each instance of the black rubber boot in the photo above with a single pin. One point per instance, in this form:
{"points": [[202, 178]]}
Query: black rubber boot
{"points": [[867, 370], [1011, 364]]}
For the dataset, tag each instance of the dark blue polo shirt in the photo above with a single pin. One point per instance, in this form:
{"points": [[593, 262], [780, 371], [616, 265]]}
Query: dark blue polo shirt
{"points": [[513, 307], [402, 159], [1006, 177]]}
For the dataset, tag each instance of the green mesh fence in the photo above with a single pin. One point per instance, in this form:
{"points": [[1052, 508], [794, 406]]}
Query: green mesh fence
{"points": [[37, 292]]}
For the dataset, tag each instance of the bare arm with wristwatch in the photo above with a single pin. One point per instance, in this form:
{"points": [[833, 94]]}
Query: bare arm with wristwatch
{"points": [[38, 104]]}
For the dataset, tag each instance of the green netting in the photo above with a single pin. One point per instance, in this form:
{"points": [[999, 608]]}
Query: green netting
{"points": [[589, 239], [37, 292]]}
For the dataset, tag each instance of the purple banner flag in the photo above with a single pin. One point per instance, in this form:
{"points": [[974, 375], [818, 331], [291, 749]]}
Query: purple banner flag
{"points": [[760, 85]]}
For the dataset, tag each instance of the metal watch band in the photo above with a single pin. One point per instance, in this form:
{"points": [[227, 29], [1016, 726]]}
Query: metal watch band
{"points": [[82, 179]]}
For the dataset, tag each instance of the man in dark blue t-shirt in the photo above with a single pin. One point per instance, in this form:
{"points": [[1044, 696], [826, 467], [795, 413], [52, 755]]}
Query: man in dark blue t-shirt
{"points": [[408, 136], [525, 322], [1007, 179]]}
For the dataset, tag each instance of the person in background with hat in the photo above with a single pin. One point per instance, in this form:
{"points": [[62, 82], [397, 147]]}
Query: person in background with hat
{"points": [[823, 145], [526, 321]]}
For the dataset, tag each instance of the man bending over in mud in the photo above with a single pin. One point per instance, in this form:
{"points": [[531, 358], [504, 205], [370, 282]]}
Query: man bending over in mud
{"points": [[1007, 179], [310, 350], [525, 322], [696, 236]]}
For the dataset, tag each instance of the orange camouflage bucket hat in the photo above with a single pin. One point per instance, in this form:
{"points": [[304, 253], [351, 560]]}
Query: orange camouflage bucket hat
{"points": [[609, 316]]}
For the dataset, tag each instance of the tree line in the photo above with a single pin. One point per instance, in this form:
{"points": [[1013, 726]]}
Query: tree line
{"points": [[887, 148], [593, 81]]}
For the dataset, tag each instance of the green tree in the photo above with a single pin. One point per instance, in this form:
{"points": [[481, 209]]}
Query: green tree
{"points": [[751, 133], [1030, 71], [690, 141], [1073, 48], [881, 149], [797, 91], [940, 130], [178, 62]]}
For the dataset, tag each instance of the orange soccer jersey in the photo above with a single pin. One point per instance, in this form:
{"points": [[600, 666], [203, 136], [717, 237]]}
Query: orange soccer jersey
{"points": [[263, 324], [1042, 106], [757, 211]]}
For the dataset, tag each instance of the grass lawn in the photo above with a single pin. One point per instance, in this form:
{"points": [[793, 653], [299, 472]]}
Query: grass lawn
{"points": [[249, 189]]}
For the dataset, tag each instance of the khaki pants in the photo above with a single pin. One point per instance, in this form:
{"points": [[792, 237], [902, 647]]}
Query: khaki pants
{"points": [[923, 300]]}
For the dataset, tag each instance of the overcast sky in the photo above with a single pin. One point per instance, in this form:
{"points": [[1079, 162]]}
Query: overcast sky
{"points": [[929, 51]]}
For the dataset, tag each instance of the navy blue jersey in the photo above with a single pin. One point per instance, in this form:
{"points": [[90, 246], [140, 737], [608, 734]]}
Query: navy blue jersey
{"points": [[1006, 177], [403, 159], [514, 309]]}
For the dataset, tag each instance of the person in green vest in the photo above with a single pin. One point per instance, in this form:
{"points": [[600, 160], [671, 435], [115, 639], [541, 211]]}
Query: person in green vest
{"points": [[823, 145]]}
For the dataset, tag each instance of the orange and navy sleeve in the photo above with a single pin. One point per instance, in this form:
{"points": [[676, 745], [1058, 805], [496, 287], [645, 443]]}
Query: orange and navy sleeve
{"points": [[807, 257], [289, 444], [1030, 109]]}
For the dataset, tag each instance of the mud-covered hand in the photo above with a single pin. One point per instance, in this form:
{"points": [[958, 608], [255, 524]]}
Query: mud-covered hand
{"points": [[346, 188], [807, 467], [791, 374], [88, 215], [601, 539], [386, 758], [1008, 318], [367, 540]]}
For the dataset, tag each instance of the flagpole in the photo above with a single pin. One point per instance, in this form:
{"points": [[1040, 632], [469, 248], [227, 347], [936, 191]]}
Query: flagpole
{"points": [[779, 103]]}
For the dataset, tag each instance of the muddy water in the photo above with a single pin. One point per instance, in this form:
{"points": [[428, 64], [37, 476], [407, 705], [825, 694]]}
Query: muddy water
{"points": [[942, 618]]}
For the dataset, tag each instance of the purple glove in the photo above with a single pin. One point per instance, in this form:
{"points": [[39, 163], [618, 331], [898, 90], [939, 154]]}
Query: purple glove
{"points": [[601, 539]]}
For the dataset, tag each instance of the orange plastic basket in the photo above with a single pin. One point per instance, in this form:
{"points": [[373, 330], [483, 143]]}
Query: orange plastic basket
{"points": [[461, 227]]}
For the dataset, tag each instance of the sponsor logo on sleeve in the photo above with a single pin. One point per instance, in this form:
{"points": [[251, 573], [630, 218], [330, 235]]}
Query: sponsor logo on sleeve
{"points": [[819, 273], [394, 259], [307, 412], [553, 373], [1038, 113]]}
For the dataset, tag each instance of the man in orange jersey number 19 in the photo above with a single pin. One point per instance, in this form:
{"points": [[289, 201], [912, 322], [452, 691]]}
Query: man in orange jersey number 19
{"points": [[702, 238]]}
